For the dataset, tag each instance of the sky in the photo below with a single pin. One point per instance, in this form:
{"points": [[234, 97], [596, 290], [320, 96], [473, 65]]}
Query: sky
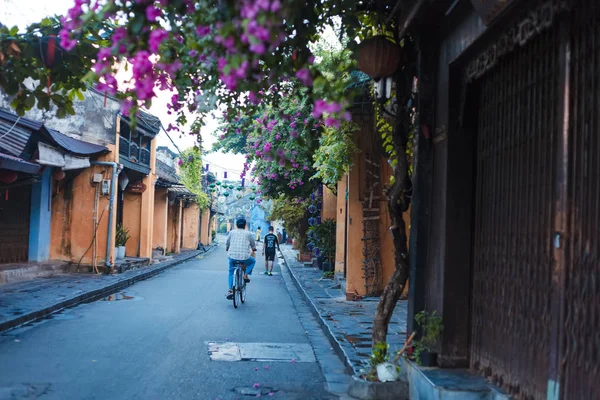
{"points": [[24, 12]]}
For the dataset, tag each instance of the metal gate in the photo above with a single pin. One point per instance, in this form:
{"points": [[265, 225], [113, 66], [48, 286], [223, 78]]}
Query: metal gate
{"points": [[515, 186], [14, 224], [581, 327]]}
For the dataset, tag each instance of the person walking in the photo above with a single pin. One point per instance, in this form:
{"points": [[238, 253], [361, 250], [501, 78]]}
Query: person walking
{"points": [[268, 251], [258, 234], [240, 246]]}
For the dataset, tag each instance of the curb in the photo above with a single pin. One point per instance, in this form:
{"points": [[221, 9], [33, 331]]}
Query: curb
{"points": [[96, 294], [341, 353]]}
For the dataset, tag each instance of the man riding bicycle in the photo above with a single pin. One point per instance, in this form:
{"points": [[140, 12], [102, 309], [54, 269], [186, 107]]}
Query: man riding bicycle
{"points": [[240, 245]]}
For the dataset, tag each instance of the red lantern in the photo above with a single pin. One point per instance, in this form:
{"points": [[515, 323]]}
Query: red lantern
{"points": [[7, 176], [50, 53], [58, 174], [378, 57]]}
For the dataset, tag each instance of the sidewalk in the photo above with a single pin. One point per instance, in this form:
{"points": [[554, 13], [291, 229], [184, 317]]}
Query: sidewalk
{"points": [[348, 324], [27, 301]]}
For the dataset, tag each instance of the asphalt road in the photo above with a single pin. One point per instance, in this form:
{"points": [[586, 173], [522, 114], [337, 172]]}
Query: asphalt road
{"points": [[154, 345]]}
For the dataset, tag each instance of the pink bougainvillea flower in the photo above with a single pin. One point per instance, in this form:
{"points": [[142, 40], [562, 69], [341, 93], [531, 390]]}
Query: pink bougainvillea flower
{"points": [[332, 107], [256, 385], [253, 98], [126, 107], [202, 30], [156, 38], [304, 76], [332, 122], [258, 48], [152, 13], [319, 108]]}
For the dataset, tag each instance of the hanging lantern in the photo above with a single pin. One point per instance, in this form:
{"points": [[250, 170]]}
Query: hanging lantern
{"points": [[254, 189], [50, 53], [230, 187], [317, 251], [239, 196], [225, 175], [7, 176], [312, 221], [239, 188], [58, 174], [218, 183], [310, 246], [312, 209], [212, 185], [251, 197], [206, 167], [379, 57], [213, 190], [226, 194], [243, 181]]}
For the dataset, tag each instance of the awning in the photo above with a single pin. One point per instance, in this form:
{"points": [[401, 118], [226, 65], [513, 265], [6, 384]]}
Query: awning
{"points": [[75, 146], [48, 155], [17, 164]]}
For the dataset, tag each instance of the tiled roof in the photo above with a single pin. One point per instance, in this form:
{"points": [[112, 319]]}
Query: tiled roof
{"points": [[166, 172]]}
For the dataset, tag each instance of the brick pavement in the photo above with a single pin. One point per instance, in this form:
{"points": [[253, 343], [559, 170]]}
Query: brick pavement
{"points": [[348, 324]]}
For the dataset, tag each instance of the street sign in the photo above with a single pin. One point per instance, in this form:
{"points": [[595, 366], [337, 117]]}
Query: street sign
{"points": [[136, 188]]}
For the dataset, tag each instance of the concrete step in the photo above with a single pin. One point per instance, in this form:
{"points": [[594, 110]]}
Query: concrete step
{"points": [[129, 263], [10, 273]]}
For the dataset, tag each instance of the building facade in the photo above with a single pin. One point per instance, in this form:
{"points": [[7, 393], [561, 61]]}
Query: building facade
{"points": [[504, 211]]}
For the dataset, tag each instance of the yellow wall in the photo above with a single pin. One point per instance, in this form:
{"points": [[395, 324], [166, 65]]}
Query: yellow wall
{"points": [[340, 235], [191, 217], [147, 215], [174, 227], [72, 226], [355, 282], [328, 210], [132, 217], [161, 207], [205, 227]]}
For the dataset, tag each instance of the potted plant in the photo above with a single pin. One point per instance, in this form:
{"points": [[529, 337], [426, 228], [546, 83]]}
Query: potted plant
{"points": [[381, 369], [322, 237], [432, 327], [121, 239]]}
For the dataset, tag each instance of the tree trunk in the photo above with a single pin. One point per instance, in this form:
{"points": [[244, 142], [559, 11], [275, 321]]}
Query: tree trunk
{"points": [[398, 203], [393, 290]]}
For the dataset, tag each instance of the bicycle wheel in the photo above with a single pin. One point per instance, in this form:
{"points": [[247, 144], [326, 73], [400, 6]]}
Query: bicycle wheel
{"points": [[243, 291], [235, 286]]}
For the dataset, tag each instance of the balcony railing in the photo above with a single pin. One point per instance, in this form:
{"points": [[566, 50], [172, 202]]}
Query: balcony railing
{"points": [[132, 152]]}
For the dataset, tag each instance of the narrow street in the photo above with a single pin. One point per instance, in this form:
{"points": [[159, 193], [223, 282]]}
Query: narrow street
{"points": [[150, 341]]}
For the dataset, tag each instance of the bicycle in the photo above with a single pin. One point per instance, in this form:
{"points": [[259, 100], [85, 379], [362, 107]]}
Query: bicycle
{"points": [[239, 284]]}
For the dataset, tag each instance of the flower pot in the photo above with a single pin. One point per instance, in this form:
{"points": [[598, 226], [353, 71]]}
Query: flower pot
{"points": [[428, 359], [320, 263], [120, 252], [388, 372]]}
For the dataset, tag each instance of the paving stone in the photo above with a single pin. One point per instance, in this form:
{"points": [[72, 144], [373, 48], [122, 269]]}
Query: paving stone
{"points": [[348, 324]]}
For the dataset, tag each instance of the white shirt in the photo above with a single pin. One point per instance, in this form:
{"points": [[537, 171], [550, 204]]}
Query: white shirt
{"points": [[240, 244]]}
